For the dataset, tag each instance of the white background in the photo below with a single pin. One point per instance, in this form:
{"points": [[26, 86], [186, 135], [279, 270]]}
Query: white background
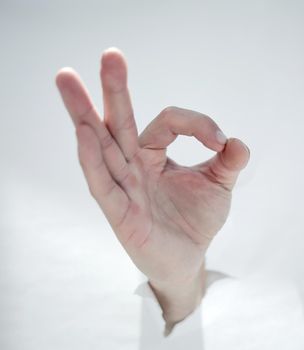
{"points": [[240, 62]]}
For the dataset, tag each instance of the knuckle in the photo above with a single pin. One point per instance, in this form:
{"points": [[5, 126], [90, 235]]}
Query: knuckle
{"points": [[206, 118], [206, 122], [129, 122], [168, 111]]}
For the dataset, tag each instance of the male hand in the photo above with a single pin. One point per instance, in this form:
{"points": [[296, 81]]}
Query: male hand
{"points": [[164, 214]]}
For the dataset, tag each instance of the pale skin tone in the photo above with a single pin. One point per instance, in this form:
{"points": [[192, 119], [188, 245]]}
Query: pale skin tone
{"points": [[164, 214]]}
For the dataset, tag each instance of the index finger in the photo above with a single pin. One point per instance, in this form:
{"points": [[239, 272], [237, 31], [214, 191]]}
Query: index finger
{"points": [[174, 121]]}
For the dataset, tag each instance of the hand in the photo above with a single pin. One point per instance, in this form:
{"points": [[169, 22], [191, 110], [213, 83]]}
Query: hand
{"points": [[164, 214]]}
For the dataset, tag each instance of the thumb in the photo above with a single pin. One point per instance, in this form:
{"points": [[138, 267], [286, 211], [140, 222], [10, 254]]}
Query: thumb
{"points": [[226, 165]]}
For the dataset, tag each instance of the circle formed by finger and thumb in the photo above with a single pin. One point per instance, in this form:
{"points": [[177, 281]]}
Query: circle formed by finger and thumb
{"points": [[174, 121]]}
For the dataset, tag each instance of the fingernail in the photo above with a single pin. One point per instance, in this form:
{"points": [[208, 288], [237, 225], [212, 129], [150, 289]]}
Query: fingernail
{"points": [[221, 138]]}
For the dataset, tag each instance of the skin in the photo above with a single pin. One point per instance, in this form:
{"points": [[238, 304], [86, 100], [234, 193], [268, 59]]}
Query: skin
{"points": [[165, 215]]}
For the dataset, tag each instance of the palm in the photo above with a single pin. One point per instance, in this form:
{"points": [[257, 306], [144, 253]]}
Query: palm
{"points": [[181, 211], [189, 199], [164, 214]]}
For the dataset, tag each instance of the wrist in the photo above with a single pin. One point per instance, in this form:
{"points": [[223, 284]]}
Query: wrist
{"points": [[178, 300]]}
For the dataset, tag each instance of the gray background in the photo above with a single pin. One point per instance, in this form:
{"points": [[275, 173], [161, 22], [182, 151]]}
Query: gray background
{"points": [[240, 62]]}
